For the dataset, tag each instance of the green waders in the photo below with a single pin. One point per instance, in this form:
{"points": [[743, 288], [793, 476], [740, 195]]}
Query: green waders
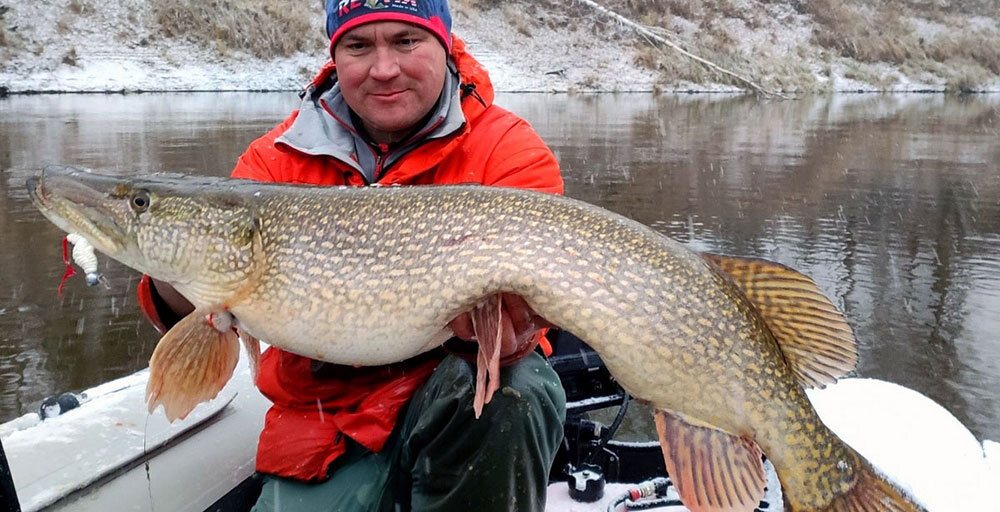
{"points": [[440, 458]]}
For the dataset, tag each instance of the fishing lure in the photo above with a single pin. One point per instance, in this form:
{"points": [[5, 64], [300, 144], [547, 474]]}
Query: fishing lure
{"points": [[83, 255]]}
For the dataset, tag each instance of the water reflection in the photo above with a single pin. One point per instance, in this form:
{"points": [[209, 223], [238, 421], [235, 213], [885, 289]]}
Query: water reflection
{"points": [[892, 203]]}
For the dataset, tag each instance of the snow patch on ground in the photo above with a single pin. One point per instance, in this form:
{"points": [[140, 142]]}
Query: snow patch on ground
{"points": [[984, 23], [927, 29], [113, 48], [549, 60]]}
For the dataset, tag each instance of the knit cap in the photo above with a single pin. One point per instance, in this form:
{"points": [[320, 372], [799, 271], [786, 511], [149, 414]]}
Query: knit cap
{"points": [[343, 15]]}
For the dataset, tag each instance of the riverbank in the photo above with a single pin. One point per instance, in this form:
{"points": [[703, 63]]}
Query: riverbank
{"points": [[819, 46]]}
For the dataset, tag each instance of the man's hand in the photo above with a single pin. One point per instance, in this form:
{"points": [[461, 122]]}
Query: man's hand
{"points": [[520, 327], [507, 329]]}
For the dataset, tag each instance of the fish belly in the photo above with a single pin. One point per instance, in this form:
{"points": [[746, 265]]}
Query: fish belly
{"points": [[352, 339]]}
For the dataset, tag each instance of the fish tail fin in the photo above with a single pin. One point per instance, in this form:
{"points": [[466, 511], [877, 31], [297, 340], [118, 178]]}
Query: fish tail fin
{"points": [[191, 364], [871, 492]]}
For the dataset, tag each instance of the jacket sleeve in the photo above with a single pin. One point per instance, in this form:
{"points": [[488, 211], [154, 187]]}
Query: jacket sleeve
{"points": [[150, 304], [261, 161], [522, 160]]}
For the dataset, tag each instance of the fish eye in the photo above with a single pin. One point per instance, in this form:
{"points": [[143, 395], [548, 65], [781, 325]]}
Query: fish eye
{"points": [[140, 201]]}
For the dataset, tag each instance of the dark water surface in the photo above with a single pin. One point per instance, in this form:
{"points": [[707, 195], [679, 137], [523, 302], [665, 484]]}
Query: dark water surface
{"points": [[892, 203]]}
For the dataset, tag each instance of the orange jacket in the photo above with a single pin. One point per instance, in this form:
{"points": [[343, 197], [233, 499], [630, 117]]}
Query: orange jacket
{"points": [[493, 147]]}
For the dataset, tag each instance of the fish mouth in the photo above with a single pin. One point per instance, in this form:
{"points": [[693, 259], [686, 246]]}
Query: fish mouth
{"points": [[77, 202]]}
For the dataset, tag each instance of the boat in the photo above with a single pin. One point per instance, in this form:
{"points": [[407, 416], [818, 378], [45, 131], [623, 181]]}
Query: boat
{"points": [[108, 453]]}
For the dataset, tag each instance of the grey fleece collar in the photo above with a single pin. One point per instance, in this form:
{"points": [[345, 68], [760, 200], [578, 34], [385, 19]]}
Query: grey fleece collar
{"points": [[317, 131]]}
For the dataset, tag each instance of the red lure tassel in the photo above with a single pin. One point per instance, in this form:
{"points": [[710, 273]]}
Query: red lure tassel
{"points": [[70, 271]]}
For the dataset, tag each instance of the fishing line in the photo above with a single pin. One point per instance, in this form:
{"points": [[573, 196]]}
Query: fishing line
{"points": [[145, 456]]}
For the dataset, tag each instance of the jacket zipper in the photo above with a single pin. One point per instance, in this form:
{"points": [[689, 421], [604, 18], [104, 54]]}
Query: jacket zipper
{"points": [[381, 155], [381, 151]]}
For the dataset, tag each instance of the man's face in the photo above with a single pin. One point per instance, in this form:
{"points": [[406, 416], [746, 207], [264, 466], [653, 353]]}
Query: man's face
{"points": [[391, 74]]}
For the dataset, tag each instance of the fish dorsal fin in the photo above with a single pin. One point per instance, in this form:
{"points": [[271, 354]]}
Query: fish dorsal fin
{"points": [[713, 471], [192, 362], [812, 333]]}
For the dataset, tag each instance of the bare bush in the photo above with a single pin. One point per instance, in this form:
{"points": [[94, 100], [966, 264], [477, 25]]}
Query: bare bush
{"points": [[516, 18], [967, 80], [264, 28], [63, 26], [654, 13], [980, 47], [81, 7], [70, 57], [880, 32], [867, 33]]}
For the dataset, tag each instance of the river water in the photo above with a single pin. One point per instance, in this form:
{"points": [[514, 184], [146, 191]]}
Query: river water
{"points": [[891, 203]]}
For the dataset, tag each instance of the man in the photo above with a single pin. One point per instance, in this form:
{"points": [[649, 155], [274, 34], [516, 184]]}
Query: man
{"points": [[402, 102]]}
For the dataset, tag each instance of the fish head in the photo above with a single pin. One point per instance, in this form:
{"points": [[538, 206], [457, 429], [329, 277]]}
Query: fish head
{"points": [[184, 230]]}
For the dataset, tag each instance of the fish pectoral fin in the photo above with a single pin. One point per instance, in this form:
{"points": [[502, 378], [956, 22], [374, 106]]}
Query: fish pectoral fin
{"points": [[811, 332], [714, 471], [252, 346], [191, 363]]}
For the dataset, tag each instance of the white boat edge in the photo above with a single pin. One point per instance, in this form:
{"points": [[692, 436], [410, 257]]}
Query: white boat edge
{"points": [[110, 454]]}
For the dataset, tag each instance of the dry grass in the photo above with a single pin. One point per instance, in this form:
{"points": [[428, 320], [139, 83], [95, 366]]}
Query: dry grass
{"points": [[515, 16], [81, 7], [263, 28], [64, 26], [863, 33], [872, 32], [869, 74], [979, 47], [967, 80]]}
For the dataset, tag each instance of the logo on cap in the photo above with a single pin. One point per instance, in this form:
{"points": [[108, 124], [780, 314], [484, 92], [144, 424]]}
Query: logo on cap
{"points": [[344, 7]]}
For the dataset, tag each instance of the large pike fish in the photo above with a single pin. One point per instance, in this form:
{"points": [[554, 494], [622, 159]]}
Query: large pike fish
{"points": [[721, 347]]}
